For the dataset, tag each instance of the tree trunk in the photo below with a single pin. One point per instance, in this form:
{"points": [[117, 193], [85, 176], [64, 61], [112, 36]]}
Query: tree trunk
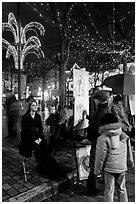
{"points": [[125, 102], [11, 81], [62, 77], [62, 85], [43, 86]]}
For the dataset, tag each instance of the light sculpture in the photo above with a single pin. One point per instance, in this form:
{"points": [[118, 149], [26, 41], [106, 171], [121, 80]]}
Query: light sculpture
{"points": [[22, 46], [27, 46]]}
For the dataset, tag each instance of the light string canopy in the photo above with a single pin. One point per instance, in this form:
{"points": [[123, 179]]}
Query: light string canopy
{"points": [[81, 37], [113, 27], [92, 22]]}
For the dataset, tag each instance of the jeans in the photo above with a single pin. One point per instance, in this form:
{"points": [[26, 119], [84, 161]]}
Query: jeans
{"points": [[112, 181]]}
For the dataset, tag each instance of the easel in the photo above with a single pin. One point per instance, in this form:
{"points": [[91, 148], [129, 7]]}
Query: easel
{"points": [[76, 180], [80, 106]]}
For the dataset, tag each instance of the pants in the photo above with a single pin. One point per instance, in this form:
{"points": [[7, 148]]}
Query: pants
{"points": [[47, 165], [112, 181], [57, 137]]}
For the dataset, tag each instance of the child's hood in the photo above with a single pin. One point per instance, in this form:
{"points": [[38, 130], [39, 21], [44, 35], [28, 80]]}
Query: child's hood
{"points": [[114, 131]]}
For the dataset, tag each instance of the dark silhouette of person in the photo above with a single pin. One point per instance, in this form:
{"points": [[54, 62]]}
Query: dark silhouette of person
{"points": [[13, 110], [56, 103], [100, 98], [92, 104]]}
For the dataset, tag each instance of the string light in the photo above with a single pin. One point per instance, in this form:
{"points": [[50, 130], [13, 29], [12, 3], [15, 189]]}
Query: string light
{"points": [[92, 22], [82, 37]]}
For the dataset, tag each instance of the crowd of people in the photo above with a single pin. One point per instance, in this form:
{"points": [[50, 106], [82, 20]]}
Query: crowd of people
{"points": [[110, 145], [108, 131]]}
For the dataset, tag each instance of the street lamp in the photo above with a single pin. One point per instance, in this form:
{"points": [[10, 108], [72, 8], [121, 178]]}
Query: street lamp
{"points": [[22, 46]]}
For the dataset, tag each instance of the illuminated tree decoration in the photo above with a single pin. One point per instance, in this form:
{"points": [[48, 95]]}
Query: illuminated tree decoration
{"points": [[27, 46]]}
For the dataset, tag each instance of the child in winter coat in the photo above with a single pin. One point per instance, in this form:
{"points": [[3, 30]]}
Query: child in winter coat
{"points": [[112, 151]]}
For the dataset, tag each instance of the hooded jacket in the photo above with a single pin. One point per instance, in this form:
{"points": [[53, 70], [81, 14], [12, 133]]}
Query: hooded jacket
{"points": [[111, 149]]}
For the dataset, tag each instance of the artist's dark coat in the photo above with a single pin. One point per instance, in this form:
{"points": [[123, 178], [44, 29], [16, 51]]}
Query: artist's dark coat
{"points": [[93, 134], [94, 123]]}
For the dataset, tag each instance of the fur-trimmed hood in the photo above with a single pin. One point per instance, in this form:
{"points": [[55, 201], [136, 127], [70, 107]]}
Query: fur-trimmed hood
{"points": [[114, 131]]}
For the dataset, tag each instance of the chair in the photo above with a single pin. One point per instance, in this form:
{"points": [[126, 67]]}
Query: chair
{"points": [[24, 168], [25, 155], [24, 160], [25, 171]]}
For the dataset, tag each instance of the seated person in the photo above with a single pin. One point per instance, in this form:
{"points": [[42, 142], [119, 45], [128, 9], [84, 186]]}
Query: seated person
{"points": [[32, 139], [52, 121]]}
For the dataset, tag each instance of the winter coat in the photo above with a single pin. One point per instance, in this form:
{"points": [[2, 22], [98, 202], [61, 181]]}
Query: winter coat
{"points": [[93, 128], [31, 130], [92, 108], [111, 149]]}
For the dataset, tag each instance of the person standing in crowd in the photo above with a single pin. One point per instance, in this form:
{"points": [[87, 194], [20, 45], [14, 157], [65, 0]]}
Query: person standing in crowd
{"points": [[118, 109], [56, 103], [111, 157], [52, 120], [43, 105], [100, 98], [13, 110], [92, 104], [32, 139], [92, 108]]}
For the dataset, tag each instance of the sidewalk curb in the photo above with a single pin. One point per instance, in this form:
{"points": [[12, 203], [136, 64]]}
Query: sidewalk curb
{"points": [[40, 193]]}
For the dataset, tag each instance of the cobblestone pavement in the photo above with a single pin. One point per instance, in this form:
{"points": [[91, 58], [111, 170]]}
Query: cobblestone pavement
{"points": [[73, 193], [14, 187], [13, 183]]}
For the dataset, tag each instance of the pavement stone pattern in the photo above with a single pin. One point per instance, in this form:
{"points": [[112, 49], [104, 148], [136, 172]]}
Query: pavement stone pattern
{"points": [[37, 189], [73, 193], [14, 188]]}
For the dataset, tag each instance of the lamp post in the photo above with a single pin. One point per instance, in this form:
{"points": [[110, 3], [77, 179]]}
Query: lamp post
{"points": [[19, 52], [67, 81], [124, 72], [22, 46]]}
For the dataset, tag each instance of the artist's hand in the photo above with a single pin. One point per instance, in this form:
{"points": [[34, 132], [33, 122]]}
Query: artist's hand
{"points": [[38, 141]]}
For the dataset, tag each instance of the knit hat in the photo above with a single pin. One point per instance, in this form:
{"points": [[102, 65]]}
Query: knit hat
{"points": [[117, 98], [108, 118], [101, 94]]}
